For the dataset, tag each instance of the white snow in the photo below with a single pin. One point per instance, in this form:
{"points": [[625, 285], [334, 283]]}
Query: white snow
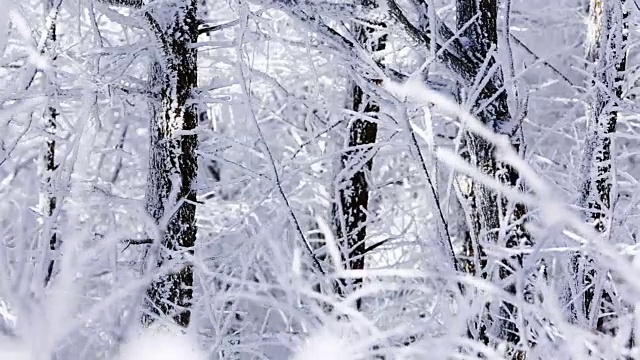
{"points": [[13, 350], [161, 343], [155, 343], [341, 340], [325, 345]]}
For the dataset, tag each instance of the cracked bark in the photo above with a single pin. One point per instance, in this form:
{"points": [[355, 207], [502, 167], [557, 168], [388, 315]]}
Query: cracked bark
{"points": [[173, 163]]}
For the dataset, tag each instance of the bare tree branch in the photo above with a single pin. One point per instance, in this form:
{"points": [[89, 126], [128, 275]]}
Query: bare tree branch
{"points": [[136, 4]]}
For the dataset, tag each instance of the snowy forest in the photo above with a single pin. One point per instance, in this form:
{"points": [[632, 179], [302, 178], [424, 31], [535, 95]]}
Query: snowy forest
{"points": [[319, 179]]}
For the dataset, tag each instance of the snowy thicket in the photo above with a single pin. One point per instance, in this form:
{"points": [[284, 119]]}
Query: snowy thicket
{"points": [[218, 163]]}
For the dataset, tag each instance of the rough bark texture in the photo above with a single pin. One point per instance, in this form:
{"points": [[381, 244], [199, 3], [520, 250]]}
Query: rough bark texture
{"points": [[606, 55], [349, 214], [173, 166]]}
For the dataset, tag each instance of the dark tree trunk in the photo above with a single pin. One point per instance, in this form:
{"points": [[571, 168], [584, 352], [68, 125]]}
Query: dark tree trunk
{"points": [[486, 206], [606, 55], [173, 165], [349, 213], [470, 58], [49, 199]]}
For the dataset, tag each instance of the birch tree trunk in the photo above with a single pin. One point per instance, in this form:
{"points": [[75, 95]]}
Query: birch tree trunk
{"points": [[349, 213], [170, 196], [606, 56]]}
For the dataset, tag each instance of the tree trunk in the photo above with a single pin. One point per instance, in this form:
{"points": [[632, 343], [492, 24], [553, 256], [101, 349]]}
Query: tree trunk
{"points": [[470, 58], [172, 165], [490, 211], [349, 212], [606, 55], [48, 200]]}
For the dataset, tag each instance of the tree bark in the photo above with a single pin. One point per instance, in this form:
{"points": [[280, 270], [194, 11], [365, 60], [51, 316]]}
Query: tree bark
{"points": [[48, 167], [606, 56], [349, 213], [477, 21], [170, 196], [470, 58]]}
